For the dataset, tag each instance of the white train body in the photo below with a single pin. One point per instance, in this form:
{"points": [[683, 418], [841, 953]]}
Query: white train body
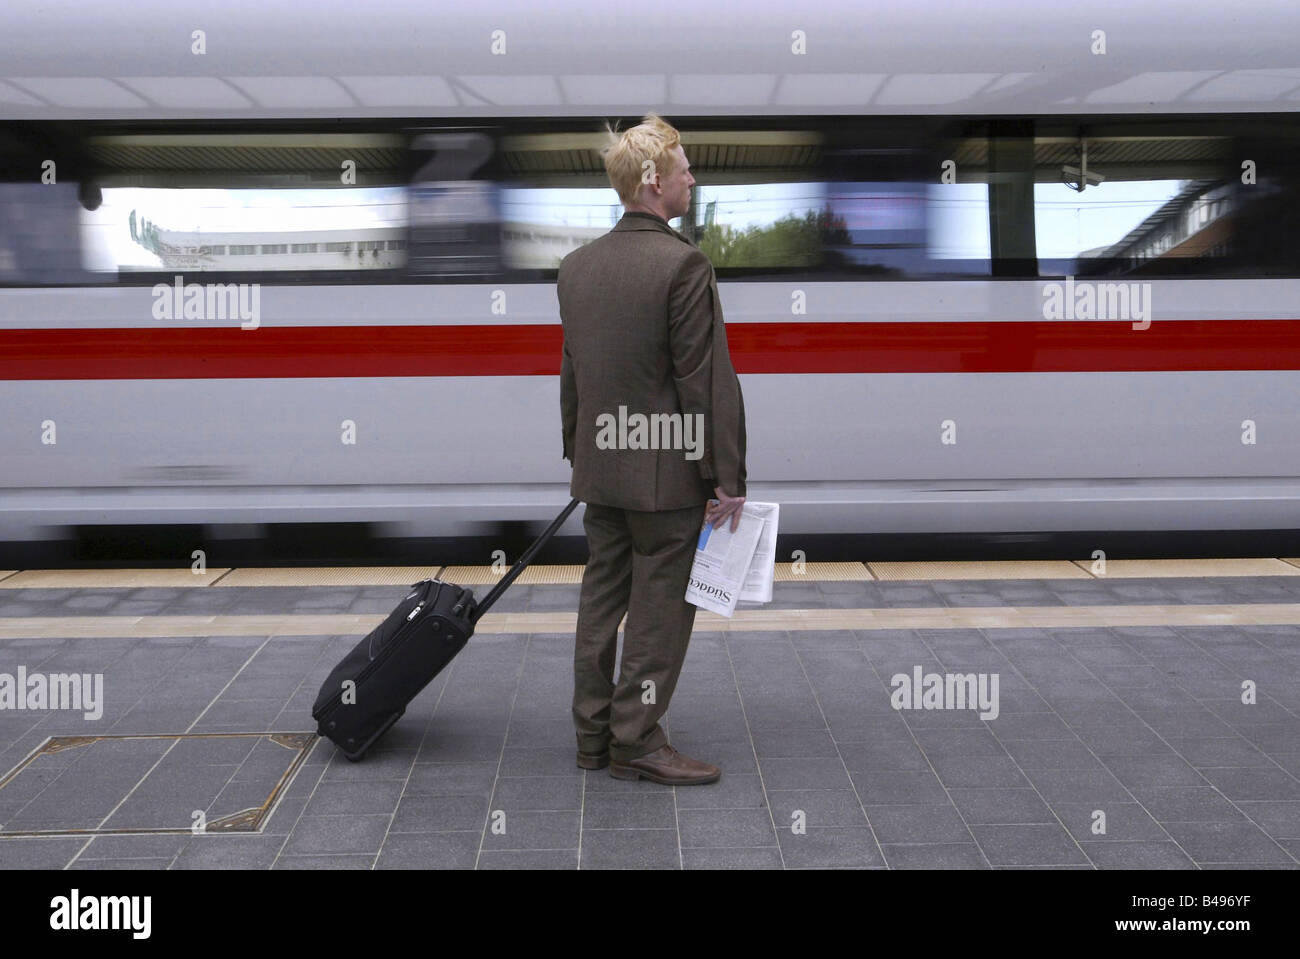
{"points": [[1031, 437]]}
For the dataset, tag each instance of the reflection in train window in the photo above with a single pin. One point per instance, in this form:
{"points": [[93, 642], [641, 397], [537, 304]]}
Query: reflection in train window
{"points": [[958, 228], [540, 227], [196, 230], [1138, 220], [772, 225]]}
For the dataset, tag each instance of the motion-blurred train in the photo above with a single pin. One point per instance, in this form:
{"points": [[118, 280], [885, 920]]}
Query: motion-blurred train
{"points": [[983, 269]]}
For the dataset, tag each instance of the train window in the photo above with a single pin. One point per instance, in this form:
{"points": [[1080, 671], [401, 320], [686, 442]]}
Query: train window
{"points": [[757, 204], [1132, 198], [541, 226], [205, 230], [771, 225], [244, 203], [957, 228], [890, 217], [38, 234]]}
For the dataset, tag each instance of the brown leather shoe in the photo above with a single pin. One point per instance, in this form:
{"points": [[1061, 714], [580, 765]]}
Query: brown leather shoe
{"points": [[666, 765], [593, 760]]}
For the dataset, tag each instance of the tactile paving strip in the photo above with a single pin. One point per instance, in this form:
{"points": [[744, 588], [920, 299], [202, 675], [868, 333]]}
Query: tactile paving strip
{"points": [[1132, 568], [821, 572], [151, 784], [1002, 569], [531, 576], [551, 575]]}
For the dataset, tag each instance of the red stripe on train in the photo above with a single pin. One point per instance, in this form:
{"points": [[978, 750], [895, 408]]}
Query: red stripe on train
{"points": [[531, 350]]}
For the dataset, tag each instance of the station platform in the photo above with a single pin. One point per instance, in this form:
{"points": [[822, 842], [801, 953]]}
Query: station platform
{"points": [[1144, 718]]}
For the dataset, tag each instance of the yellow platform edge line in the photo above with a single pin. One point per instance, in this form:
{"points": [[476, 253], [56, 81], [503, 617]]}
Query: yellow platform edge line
{"points": [[792, 620], [889, 571]]}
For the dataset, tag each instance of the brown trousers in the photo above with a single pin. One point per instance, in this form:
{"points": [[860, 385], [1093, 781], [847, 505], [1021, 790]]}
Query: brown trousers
{"points": [[639, 563]]}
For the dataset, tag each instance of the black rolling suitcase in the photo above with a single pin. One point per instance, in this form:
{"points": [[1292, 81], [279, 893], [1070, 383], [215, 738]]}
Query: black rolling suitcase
{"points": [[369, 690]]}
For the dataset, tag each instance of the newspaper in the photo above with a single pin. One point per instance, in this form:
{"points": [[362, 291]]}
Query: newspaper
{"points": [[731, 566], [762, 568]]}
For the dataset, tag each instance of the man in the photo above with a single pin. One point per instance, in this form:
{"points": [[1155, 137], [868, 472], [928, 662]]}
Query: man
{"points": [[644, 342]]}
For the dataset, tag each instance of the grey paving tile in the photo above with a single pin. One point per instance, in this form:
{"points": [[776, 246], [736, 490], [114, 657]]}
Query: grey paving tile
{"points": [[1030, 725], [937, 823], [828, 847], [623, 810], [1122, 822], [725, 827], [115, 864], [1154, 772], [630, 849], [1281, 820], [456, 748], [1188, 804], [363, 861], [804, 773], [382, 764], [1052, 754], [540, 793], [422, 813], [548, 761], [1124, 741], [1002, 806], [531, 859], [960, 742], [442, 850], [331, 835], [1079, 785], [820, 807], [1028, 844], [950, 855], [1137, 855], [1251, 866], [1253, 783], [879, 756], [1226, 842], [899, 786], [38, 853], [980, 772], [216, 851], [534, 830], [1289, 761], [775, 743], [1219, 752], [338, 798], [135, 847], [452, 779], [755, 857], [729, 792], [1270, 737]]}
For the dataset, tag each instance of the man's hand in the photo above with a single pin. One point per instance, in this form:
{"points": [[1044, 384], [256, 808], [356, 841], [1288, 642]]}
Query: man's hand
{"points": [[718, 512]]}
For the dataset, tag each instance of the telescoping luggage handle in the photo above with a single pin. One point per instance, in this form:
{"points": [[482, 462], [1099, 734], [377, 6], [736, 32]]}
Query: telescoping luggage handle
{"points": [[524, 560]]}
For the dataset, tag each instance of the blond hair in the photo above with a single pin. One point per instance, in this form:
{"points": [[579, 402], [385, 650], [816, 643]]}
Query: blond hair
{"points": [[625, 154]]}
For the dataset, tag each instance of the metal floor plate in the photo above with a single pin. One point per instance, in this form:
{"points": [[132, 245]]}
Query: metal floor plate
{"points": [[150, 784]]}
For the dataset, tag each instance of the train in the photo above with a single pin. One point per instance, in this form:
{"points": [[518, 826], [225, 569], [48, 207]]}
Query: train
{"points": [[983, 268]]}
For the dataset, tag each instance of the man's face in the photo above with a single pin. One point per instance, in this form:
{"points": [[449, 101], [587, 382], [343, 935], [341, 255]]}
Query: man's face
{"points": [[677, 185]]}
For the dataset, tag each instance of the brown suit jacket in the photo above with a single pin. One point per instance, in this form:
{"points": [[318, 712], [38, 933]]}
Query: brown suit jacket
{"points": [[643, 330]]}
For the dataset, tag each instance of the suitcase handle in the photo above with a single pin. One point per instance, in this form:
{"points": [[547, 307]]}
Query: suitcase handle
{"points": [[524, 560]]}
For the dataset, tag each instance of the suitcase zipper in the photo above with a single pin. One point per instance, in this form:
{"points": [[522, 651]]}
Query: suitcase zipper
{"points": [[383, 654]]}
